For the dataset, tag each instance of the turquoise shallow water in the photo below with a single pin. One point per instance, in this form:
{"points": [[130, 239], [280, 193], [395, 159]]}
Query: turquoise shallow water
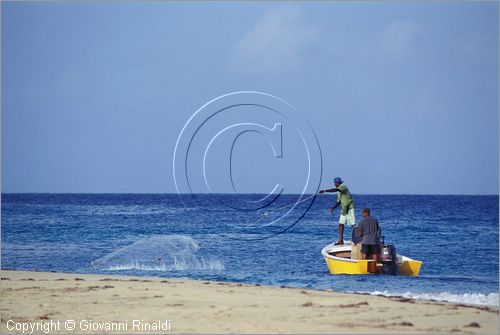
{"points": [[229, 238]]}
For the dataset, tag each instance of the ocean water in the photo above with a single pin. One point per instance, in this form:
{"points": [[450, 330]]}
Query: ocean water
{"points": [[230, 238]]}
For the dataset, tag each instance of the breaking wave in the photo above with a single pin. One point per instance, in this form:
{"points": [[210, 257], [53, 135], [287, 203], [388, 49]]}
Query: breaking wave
{"points": [[491, 299], [158, 253]]}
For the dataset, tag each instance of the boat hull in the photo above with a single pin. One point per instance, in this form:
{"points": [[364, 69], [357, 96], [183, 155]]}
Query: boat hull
{"points": [[410, 268], [337, 267], [342, 265]]}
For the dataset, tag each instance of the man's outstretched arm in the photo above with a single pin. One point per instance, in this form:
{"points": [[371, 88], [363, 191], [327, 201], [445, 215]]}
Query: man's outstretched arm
{"points": [[330, 190]]}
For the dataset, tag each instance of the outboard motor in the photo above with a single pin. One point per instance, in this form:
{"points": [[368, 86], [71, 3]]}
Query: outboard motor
{"points": [[388, 258]]}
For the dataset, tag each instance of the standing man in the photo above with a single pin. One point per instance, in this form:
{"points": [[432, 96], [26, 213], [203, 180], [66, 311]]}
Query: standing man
{"points": [[344, 199], [369, 228]]}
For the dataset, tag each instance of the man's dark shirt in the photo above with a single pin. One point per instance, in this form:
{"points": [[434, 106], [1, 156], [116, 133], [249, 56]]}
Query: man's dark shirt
{"points": [[368, 228]]}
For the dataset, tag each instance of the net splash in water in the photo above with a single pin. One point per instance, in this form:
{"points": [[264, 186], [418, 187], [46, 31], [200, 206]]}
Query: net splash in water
{"points": [[159, 253]]}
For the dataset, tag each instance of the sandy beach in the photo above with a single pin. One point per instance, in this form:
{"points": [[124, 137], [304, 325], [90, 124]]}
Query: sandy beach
{"points": [[122, 304]]}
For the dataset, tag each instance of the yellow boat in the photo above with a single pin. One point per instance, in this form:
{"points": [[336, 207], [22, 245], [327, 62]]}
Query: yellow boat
{"points": [[339, 261]]}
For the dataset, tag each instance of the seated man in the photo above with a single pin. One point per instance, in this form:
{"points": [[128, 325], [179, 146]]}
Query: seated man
{"points": [[368, 228]]}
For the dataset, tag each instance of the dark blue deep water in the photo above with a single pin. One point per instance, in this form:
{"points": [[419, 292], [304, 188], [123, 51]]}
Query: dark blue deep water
{"points": [[455, 236]]}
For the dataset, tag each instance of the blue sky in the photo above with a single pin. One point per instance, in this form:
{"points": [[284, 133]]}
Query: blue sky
{"points": [[403, 97]]}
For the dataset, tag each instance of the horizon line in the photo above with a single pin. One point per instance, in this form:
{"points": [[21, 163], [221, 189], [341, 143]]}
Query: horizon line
{"points": [[253, 193]]}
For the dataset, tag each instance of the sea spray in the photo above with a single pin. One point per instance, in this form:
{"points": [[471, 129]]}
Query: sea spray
{"points": [[158, 253]]}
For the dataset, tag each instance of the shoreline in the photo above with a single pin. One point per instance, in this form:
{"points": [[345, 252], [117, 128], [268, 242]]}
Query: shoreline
{"points": [[407, 296], [197, 306]]}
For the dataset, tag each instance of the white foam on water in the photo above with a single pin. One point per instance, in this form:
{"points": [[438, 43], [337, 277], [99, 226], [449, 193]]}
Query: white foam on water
{"points": [[178, 265], [490, 299], [159, 253]]}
